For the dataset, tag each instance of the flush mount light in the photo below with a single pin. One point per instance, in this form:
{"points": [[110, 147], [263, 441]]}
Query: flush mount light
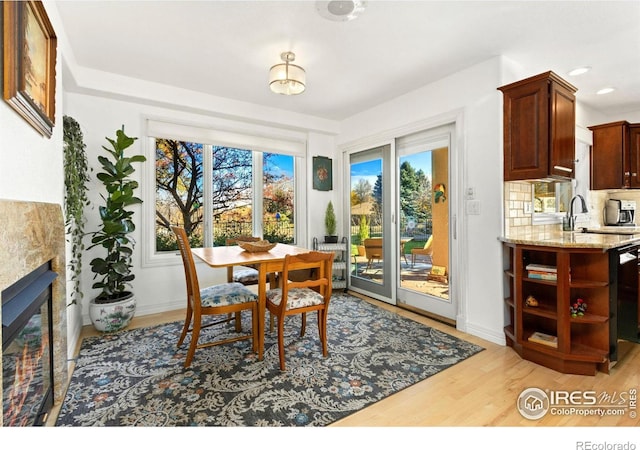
{"points": [[606, 90], [287, 78], [340, 11], [579, 71]]}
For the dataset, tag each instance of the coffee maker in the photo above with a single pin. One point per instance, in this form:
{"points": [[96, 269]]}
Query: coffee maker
{"points": [[620, 212]]}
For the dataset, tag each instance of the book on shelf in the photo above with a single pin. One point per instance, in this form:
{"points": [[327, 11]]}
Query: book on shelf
{"points": [[541, 268], [539, 275], [544, 339]]}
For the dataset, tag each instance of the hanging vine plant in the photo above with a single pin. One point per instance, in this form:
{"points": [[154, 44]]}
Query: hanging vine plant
{"points": [[76, 176]]}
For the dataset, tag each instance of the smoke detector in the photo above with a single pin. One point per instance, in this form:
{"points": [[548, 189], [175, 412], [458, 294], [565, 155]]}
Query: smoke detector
{"points": [[340, 11]]}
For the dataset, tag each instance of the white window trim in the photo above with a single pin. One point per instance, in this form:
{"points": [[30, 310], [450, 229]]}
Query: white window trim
{"points": [[249, 136]]}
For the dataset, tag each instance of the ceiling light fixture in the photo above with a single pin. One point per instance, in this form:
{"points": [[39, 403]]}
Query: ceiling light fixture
{"points": [[340, 11], [606, 90], [287, 78], [579, 71]]}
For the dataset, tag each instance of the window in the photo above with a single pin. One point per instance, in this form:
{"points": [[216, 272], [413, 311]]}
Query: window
{"points": [[550, 200], [181, 198], [179, 192], [218, 178]]}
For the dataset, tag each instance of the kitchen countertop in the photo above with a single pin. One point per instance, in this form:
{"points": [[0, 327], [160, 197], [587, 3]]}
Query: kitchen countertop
{"points": [[572, 239]]}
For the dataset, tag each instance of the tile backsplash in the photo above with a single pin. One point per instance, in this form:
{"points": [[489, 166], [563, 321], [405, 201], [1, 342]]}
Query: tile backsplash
{"points": [[519, 222]]}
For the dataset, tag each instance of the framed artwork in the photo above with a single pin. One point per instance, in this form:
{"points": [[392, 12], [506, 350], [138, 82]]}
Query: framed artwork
{"points": [[322, 173], [29, 58]]}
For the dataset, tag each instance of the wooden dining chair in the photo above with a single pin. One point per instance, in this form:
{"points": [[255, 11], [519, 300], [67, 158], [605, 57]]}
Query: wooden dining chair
{"points": [[242, 274], [247, 275], [218, 300], [300, 295]]}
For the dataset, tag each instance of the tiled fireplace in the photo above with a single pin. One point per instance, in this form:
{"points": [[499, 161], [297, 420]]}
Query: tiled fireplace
{"points": [[32, 247]]}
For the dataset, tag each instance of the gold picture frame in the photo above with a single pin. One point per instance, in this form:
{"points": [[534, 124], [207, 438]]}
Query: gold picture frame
{"points": [[29, 56]]}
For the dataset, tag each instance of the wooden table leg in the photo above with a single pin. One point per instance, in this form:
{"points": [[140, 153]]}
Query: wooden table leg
{"points": [[262, 301]]}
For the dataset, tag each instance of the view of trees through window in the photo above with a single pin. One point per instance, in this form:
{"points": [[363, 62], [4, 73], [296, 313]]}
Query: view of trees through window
{"points": [[180, 181], [415, 202]]}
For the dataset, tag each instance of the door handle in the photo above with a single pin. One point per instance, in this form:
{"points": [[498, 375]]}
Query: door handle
{"points": [[563, 169], [455, 226]]}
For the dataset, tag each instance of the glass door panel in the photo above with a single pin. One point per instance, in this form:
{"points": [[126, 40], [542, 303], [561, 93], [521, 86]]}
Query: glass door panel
{"points": [[369, 243], [424, 204]]}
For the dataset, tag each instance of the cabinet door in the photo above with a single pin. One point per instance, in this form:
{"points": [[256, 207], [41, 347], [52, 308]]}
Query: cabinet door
{"points": [[634, 155], [562, 129], [526, 131], [608, 156]]}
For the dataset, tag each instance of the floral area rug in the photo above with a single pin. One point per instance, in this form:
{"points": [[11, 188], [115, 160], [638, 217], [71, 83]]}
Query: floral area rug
{"points": [[136, 377]]}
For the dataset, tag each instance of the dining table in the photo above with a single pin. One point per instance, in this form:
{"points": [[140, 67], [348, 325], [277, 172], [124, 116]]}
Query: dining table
{"points": [[266, 262]]}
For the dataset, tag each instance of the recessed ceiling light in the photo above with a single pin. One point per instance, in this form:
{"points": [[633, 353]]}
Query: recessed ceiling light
{"points": [[340, 11], [579, 71], [606, 90]]}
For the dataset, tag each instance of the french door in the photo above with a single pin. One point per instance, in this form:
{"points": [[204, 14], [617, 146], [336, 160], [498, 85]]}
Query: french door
{"points": [[402, 222], [425, 226], [370, 208]]}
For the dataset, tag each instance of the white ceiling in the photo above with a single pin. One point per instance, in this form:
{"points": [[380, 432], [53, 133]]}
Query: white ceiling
{"points": [[225, 48]]}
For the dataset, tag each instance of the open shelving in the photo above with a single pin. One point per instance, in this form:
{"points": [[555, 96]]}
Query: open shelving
{"points": [[582, 341], [339, 250]]}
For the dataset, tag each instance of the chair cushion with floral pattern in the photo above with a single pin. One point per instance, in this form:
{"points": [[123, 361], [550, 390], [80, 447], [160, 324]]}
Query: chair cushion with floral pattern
{"points": [[242, 274], [296, 298], [226, 294]]}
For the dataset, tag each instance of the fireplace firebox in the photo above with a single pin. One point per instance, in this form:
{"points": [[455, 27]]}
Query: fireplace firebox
{"points": [[27, 349]]}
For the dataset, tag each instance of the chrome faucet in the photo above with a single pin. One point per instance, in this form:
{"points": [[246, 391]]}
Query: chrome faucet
{"points": [[572, 218]]}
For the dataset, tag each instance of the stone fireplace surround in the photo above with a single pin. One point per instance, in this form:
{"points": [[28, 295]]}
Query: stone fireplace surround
{"points": [[31, 234]]}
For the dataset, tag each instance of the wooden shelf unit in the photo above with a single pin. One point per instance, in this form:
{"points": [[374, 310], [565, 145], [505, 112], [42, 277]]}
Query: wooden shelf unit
{"points": [[583, 341]]}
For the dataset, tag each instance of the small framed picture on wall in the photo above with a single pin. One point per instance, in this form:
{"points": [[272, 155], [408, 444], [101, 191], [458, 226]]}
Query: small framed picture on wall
{"points": [[322, 173]]}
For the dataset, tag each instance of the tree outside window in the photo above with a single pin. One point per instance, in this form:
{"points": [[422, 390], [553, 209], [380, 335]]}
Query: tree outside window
{"points": [[180, 181]]}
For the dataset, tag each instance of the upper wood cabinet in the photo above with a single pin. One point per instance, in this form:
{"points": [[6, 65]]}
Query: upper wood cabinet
{"points": [[615, 156], [539, 128], [634, 153]]}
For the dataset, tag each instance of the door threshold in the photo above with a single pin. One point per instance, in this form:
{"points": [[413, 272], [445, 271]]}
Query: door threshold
{"points": [[430, 315]]}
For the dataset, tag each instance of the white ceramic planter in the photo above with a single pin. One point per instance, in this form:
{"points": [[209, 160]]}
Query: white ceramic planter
{"points": [[111, 317]]}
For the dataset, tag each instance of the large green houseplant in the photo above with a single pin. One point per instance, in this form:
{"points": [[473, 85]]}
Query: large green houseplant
{"points": [[115, 305]]}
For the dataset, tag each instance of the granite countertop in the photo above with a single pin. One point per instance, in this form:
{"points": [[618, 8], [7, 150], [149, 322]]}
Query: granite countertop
{"points": [[572, 239]]}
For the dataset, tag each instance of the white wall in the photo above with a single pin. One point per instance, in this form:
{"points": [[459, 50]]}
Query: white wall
{"points": [[316, 201], [32, 166]]}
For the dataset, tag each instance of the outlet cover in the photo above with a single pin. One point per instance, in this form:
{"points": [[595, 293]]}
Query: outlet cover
{"points": [[473, 207]]}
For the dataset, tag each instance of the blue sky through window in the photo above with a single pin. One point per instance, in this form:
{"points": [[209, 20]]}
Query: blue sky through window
{"points": [[369, 170], [280, 165]]}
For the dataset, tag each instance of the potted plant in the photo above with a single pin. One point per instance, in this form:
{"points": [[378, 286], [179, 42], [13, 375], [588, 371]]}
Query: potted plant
{"points": [[115, 306], [330, 224], [363, 233], [76, 178]]}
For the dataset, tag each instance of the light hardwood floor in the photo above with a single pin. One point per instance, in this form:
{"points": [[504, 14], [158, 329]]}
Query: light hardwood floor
{"points": [[480, 391]]}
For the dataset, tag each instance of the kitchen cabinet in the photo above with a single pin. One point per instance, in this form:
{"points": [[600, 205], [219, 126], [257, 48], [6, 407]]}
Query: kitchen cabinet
{"points": [[583, 342], [615, 156], [539, 128]]}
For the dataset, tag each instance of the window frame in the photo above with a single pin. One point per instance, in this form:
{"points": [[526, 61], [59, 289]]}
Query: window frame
{"points": [[295, 144]]}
